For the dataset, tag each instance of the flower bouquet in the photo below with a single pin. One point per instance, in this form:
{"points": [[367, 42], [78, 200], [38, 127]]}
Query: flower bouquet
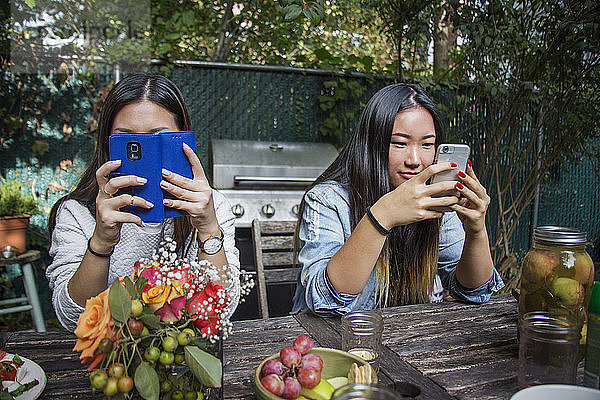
{"points": [[156, 333]]}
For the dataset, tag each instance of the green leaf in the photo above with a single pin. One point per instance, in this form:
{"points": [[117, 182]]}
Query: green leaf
{"points": [[119, 302], [146, 381], [149, 319], [140, 284], [322, 54], [205, 367], [30, 3], [291, 12], [129, 287], [188, 17]]}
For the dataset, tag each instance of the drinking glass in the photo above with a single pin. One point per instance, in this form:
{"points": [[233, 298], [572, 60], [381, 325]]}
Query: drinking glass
{"points": [[361, 335], [357, 391], [548, 349]]}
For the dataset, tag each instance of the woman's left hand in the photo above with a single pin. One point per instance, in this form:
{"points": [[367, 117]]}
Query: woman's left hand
{"points": [[474, 202], [193, 195]]}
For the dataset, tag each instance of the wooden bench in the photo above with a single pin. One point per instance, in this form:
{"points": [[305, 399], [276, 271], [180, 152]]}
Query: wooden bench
{"points": [[273, 256]]}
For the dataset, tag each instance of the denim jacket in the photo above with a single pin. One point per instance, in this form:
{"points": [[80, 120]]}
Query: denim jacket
{"points": [[325, 227]]}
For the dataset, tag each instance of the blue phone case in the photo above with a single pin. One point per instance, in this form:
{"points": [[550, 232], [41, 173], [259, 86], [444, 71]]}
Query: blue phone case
{"points": [[166, 147], [175, 160]]}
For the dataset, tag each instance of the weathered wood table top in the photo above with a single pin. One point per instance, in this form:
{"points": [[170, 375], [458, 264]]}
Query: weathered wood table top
{"points": [[449, 350]]}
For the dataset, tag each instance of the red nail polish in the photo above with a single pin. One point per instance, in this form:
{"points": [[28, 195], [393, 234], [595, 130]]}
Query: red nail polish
{"points": [[469, 162], [453, 165], [459, 185], [461, 174]]}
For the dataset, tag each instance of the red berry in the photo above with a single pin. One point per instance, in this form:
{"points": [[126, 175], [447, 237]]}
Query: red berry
{"points": [[291, 388], [303, 343], [289, 356], [135, 327], [273, 383], [309, 377], [116, 370], [125, 384], [272, 366], [312, 361]]}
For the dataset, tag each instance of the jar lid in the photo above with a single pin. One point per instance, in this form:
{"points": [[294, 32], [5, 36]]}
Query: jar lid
{"points": [[559, 234]]}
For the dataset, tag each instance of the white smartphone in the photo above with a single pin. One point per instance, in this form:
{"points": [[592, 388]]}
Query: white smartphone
{"points": [[449, 152]]}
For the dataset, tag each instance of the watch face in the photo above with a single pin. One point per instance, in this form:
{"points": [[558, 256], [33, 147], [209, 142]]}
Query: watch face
{"points": [[212, 245]]}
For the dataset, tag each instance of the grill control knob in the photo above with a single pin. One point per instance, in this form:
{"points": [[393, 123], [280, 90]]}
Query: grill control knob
{"points": [[295, 209], [268, 210], [237, 210]]}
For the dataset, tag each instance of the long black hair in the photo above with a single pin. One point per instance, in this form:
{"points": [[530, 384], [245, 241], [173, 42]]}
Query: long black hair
{"points": [[132, 89], [407, 266]]}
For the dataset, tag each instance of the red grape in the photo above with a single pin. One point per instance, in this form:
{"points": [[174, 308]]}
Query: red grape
{"points": [[273, 383], [309, 377], [312, 361], [272, 366], [289, 356], [292, 388], [303, 343]]}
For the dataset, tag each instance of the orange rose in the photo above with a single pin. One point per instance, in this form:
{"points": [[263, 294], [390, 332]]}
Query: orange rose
{"points": [[93, 325], [156, 296]]}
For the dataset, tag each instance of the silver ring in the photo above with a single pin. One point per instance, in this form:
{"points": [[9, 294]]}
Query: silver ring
{"points": [[131, 202], [105, 192]]}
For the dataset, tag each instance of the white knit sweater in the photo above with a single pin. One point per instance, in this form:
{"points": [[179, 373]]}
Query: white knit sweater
{"points": [[75, 225]]}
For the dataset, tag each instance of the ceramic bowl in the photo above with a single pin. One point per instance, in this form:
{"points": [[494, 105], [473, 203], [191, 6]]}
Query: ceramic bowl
{"points": [[335, 363], [557, 392]]}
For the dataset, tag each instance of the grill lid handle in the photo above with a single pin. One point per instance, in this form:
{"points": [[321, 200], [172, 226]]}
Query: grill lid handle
{"points": [[275, 147], [237, 179]]}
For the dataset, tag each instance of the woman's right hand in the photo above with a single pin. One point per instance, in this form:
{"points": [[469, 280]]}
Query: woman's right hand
{"points": [[412, 200], [109, 217]]}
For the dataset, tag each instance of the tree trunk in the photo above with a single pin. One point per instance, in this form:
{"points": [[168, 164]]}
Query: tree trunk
{"points": [[441, 39], [219, 53]]}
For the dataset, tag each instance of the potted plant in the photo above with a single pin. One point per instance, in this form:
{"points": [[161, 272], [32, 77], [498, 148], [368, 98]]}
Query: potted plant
{"points": [[16, 206]]}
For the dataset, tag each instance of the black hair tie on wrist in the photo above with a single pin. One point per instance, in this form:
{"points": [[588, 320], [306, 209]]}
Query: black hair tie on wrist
{"points": [[99, 254], [379, 227]]}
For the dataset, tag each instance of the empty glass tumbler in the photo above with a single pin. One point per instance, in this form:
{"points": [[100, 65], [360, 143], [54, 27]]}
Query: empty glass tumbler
{"points": [[356, 391], [548, 349], [361, 335]]}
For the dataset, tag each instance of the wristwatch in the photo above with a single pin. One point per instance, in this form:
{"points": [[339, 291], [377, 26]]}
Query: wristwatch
{"points": [[212, 245]]}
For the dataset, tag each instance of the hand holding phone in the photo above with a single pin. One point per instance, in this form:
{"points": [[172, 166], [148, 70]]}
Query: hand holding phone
{"points": [[145, 155], [455, 153]]}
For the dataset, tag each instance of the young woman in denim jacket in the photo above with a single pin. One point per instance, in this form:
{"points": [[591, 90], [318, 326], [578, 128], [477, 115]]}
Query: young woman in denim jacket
{"points": [[349, 260]]}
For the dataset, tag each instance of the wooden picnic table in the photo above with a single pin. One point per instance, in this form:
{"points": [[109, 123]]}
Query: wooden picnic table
{"points": [[449, 350]]}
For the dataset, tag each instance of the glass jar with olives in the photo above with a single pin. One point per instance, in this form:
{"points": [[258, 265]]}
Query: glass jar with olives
{"points": [[557, 275]]}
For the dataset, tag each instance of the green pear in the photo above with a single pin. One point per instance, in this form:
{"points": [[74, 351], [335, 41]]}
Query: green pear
{"points": [[568, 291], [584, 268], [322, 391], [539, 263]]}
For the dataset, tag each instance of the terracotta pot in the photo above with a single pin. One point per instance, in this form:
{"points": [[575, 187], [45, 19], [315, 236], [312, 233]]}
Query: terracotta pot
{"points": [[13, 232]]}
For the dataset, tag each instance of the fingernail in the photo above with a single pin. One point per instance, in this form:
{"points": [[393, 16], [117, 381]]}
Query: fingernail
{"points": [[462, 174], [186, 145], [459, 185], [116, 162], [149, 204], [165, 172], [166, 202], [469, 162], [453, 165], [164, 184], [141, 180]]}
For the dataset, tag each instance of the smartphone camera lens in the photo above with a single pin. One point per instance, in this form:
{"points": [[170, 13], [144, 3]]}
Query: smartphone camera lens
{"points": [[445, 149], [133, 151]]}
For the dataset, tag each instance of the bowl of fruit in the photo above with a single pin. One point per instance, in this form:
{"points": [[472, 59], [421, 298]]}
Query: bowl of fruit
{"points": [[302, 372]]}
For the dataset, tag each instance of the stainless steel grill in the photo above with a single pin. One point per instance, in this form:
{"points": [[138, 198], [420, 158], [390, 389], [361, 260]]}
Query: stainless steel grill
{"points": [[266, 180]]}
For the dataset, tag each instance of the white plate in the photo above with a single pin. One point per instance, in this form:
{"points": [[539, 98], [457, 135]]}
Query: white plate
{"points": [[557, 392], [28, 372]]}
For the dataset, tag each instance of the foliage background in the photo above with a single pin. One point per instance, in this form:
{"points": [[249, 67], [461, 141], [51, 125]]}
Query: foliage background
{"points": [[303, 70]]}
